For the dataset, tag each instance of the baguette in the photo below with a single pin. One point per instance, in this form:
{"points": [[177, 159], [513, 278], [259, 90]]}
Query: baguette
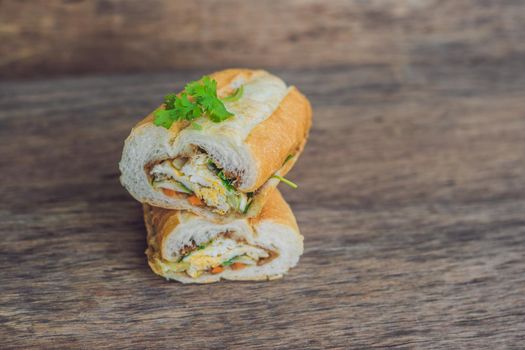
{"points": [[263, 138], [185, 247]]}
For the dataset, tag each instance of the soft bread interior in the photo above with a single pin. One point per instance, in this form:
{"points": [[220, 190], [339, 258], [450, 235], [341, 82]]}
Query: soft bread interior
{"points": [[274, 229]]}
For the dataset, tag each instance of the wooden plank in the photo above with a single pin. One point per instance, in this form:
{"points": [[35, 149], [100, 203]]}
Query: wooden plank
{"points": [[64, 37], [411, 202]]}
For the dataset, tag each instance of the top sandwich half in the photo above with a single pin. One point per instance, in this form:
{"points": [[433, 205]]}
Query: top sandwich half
{"points": [[219, 166]]}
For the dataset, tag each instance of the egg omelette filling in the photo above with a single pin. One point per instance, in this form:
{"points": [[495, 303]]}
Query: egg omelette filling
{"points": [[203, 183], [223, 252]]}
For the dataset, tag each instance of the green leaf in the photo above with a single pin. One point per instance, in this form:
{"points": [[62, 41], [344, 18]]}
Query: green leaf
{"points": [[218, 112], [220, 173], [290, 156], [198, 98], [204, 92], [184, 188], [163, 118], [237, 94], [225, 181], [169, 101], [247, 207], [213, 166], [185, 109], [229, 261]]}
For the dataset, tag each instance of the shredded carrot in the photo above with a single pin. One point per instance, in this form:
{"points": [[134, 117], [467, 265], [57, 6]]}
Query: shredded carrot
{"points": [[217, 269], [237, 266], [169, 193], [194, 200]]}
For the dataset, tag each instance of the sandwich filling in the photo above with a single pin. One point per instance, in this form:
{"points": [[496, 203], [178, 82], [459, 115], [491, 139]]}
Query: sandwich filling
{"points": [[201, 181], [216, 256]]}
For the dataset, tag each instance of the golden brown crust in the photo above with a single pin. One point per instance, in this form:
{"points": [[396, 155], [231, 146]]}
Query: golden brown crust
{"points": [[151, 250], [268, 188], [280, 135], [224, 78], [147, 120], [160, 223], [276, 210]]}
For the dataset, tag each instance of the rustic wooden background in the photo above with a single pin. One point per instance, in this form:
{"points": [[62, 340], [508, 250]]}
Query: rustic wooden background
{"points": [[412, 187], [57, 37]]}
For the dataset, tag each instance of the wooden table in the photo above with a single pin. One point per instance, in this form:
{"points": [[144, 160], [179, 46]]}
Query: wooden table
{"points": [[411, 201]]}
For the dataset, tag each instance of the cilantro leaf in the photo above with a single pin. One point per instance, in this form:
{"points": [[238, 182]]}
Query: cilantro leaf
{"points": [[199, 98], [218, 112], [205, 93], [169, 101], [163, 118]]}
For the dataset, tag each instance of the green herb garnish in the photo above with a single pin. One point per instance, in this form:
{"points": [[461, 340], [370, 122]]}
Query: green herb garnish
{"points": [[237, 94], [184, 187], [220, 173], [212, 165], [249, 196], [247, 207], [203, 245], [290, 156], [199, 98], [229, 262], [286, 181], [225, 181]]}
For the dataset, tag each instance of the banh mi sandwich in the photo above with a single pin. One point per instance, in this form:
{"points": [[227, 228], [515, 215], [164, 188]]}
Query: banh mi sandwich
{"points": [[185, 247], [220, 147]]}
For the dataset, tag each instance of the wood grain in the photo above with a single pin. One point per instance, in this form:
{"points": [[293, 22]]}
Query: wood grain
{"points": [[57, 37], [411, 201], [412, 187]]}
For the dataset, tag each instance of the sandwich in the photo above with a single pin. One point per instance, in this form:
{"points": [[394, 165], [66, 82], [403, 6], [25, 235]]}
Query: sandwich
{"points": [[218, 148], [185, 247]]}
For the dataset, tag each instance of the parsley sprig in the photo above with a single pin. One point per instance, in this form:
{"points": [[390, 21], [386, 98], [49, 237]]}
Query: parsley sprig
{"points": [[199, 98]]}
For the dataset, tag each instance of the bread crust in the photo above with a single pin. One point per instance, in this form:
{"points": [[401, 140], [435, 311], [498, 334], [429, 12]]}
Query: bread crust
{"points": [[284, 133], [277, 211]]}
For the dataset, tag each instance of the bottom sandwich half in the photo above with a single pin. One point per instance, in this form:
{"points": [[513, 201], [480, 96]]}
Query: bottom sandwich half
{"points": [[190, 249]]}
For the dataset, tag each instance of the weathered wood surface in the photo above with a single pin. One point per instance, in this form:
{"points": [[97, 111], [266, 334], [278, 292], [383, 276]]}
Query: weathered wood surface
{"points": [[411, 201], [42, 38]]}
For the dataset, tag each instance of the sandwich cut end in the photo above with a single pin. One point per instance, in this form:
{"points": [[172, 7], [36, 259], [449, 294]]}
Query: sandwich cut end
{"points": [[220, 170], [189, 249]]}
